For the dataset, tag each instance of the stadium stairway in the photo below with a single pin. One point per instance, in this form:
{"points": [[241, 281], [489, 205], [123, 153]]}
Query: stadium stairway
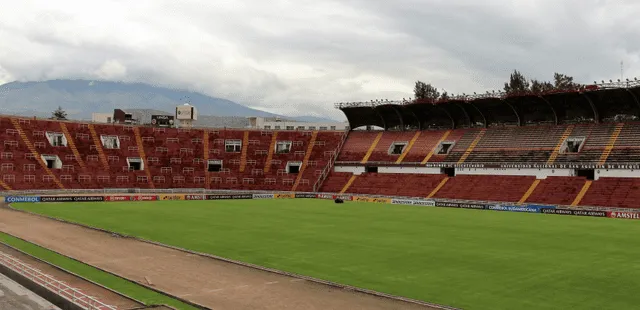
{"points": [[49, 177], [557, 190], [98, 144], [409, 146]]}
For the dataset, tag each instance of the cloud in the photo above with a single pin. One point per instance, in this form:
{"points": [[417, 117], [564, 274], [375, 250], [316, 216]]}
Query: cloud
{"points": [[299, 57]]}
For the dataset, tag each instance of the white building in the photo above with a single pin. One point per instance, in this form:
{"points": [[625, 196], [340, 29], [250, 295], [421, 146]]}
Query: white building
{"points": [[278, 124], [102, 117]]}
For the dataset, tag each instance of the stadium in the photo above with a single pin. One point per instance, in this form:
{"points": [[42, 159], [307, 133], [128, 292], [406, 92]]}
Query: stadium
{"points": [[451, 204]]}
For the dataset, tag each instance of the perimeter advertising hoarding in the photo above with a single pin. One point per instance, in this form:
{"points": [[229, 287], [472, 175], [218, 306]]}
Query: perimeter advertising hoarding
{"points": [[371, 199], [195, 197], [515, 208], [12, 199], [328, 196], [625, 215], [144, 198], [222, 197], [448, 204], [117, 198], [263, 196], [171, 197], [573, 212], [305, 195], [71, 198], [284, 196], [413, 202]]}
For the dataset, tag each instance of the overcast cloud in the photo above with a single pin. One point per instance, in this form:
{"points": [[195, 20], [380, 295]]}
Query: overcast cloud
{"points": [[299, 57]]}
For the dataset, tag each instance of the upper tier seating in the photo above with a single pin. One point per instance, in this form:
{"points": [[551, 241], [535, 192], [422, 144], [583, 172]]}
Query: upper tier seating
{"points": [[530, 144]]}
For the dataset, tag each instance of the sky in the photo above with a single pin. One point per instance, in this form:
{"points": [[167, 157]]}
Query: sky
{"points": [[300, 57]]}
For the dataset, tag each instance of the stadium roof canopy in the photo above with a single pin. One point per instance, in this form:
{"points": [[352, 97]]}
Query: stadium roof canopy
{"points": [[596, 103]]}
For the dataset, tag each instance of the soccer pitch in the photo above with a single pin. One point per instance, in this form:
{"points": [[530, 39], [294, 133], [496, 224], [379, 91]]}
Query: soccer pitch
{"points": [[463, 258]]}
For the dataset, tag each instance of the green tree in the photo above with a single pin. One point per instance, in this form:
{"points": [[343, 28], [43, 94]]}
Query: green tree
{"points": [[444, 96], [564, 82], [423, 90], [517, 84], [59, 114], [540, 87]]}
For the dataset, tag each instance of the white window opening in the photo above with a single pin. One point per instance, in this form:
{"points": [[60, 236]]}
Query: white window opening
{"points": [[56, 139], [233, 146], [444, 147], [52, 161], [572, 145], [110, 142], [293, 167], [397, 148], [214, 166], [283, 147], [135, 163]]}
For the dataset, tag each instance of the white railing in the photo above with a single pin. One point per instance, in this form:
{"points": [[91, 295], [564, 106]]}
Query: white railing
{"points": [[329, 166], [58, 287]]}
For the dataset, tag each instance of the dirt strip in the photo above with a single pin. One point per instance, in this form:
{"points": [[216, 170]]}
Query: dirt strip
{"points": [[206, 281]]}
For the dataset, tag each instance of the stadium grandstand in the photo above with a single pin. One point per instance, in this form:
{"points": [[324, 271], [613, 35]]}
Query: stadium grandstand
{"points": [[578, 148]]}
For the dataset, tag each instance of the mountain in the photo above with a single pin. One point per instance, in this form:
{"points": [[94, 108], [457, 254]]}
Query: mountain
{"points": [[80, 98]]}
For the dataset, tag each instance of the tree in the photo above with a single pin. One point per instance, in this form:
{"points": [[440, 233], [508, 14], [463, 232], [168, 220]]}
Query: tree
{"points": [[423, 90], [564, 82], [517, 84], [59, 114], [540, 87], [444, 96]]}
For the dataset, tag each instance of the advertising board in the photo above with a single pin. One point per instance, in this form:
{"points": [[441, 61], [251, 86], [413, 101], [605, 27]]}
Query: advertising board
{"points": [[263, 196], [413, 202], [302, 195], [144, 198], [625, 215], [71, 198], [13, 199], [117, 198], [223, 197], [573, 212], [449, 204], [171, 197], [284, 196], [514, 208], [195, 197]]}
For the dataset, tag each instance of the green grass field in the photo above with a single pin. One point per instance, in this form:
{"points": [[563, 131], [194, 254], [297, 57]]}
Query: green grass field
{"points": [[462, 258]]}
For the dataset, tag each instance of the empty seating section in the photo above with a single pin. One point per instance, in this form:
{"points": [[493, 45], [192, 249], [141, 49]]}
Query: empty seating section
{"points": [[613, 192], [18, 166], [382, 151], [175, 158], [319, 158], [596, 138], [557, 190], [395, 184], [357, 145], [335, 182], [627, 146], [425, 143], [517, 144], [485, 187], [462, 139]]}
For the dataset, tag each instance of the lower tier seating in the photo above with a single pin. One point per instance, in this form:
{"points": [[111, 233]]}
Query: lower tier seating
{"points": [[485, 187], [557, 190]]}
